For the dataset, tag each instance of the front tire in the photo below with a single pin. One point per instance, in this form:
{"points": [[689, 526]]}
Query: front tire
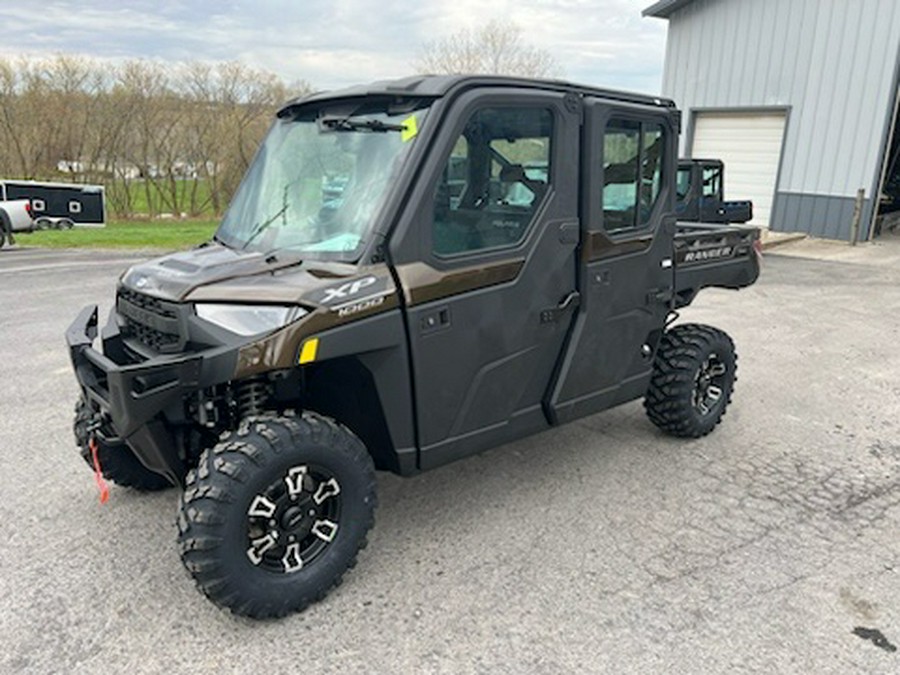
{"points": [[276, 513], [117, 462], [6, 233], [693, 380]]}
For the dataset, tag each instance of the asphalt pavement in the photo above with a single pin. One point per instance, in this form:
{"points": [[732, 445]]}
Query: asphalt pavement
{"points": [[603, 546]]}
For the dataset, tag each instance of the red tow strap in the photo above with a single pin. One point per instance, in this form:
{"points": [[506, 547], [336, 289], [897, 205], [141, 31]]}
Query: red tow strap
{"points": [[98, 473]]}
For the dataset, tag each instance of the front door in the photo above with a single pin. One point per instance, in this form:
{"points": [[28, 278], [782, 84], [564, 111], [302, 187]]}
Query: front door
{"points": [[710, 176], [493, 292]]}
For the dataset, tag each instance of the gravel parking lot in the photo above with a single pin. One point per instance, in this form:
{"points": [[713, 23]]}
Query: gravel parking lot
{"points": [[602, 546]]}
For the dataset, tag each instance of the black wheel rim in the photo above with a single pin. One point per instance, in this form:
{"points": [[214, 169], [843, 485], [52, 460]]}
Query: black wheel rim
{"points": [[709, 385], [292, 522]]}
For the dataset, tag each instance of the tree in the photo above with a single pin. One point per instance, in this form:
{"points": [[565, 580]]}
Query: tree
{"points": [[497, 48], [163, 138]]}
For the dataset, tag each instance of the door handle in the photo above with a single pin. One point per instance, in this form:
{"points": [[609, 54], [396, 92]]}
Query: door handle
{"points": [[552, 315], [572, 300], [660, 295]]}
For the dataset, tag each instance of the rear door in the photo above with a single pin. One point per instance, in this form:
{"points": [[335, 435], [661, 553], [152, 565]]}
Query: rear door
{"points": [[492, 293], [626, 272], [687, 201]]}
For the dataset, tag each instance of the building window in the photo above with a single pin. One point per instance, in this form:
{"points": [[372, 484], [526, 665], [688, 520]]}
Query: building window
{"points": [[495, 178], [632, 173]]}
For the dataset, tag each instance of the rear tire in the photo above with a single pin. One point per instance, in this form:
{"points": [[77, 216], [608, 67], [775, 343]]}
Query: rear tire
{"points": [[276, 512], [117, 462], [693, 380]]}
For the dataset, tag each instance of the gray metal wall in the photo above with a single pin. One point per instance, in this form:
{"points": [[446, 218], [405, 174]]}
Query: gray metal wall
{"points": [[833, 62]]}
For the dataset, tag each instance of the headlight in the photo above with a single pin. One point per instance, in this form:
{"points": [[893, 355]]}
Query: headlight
{"points": [[249, 319]]}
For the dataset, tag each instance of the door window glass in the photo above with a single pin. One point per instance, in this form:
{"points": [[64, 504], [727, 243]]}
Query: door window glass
{"points": [[683, 184], [651, 169], [712, 178], [633, 155], [494, 180]]}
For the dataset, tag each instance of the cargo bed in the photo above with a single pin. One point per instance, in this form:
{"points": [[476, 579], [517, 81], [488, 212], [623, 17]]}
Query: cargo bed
{"points": [[713, 255]]}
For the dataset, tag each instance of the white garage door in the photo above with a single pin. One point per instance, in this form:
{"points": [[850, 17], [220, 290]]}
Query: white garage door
{"points": [[750, 146]]}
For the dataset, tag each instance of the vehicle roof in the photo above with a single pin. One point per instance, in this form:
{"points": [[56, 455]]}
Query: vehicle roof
{"points": [[436, 86], [685, 161]]}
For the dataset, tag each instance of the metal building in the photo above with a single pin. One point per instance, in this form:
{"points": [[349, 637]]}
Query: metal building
{"points": [[800, 100]]}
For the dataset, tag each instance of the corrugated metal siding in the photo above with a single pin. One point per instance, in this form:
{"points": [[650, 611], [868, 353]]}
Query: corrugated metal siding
{"points": [[823, 216], [831, 61]]}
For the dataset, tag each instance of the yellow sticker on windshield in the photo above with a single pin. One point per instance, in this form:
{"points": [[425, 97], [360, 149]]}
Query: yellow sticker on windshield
{"points": [[410, 129]]}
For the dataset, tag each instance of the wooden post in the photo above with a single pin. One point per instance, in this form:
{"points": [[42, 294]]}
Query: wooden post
{"points": [[857, 216]]}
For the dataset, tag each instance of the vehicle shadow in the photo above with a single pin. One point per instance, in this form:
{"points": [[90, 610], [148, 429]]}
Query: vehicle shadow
{"points": [[571, 462]]}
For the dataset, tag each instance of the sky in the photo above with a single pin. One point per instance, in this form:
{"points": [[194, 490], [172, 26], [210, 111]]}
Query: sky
{"points": [[336, 43]]}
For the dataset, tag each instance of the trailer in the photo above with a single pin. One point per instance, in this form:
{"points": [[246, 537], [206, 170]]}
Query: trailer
{"points": [[58, 205]]}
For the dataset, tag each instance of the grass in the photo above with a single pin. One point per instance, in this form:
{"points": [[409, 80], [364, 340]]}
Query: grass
{"points": [[146, 197], [161, 234]]}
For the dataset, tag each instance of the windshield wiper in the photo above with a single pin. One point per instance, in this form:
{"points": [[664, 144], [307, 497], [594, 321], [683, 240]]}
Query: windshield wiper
{"points": [[356, 123], [264, 225]]}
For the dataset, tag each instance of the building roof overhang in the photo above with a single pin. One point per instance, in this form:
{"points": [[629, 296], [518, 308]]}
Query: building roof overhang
{"points": [[664, 8]]}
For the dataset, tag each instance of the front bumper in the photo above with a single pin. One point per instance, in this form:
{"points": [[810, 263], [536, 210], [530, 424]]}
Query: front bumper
{"points": [[138, 402]]}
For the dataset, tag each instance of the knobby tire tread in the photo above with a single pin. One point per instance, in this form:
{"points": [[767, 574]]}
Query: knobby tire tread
{"points": [[669, 398], [216, 481]]}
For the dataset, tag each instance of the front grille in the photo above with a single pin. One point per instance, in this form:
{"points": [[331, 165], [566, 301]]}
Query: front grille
{"points": [[155, 339], [148, 302], [151, 321]]}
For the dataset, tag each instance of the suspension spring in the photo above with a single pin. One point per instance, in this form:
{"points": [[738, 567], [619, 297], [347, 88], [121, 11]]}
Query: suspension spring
{"points": [[251, 396]]}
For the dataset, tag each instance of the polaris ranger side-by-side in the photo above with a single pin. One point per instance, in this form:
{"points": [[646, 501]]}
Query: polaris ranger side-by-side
{"points": [[411, 272], [700, 194]]}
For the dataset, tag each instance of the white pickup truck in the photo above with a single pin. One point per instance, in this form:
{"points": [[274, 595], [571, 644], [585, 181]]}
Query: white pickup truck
{"points": [[15, 216]]}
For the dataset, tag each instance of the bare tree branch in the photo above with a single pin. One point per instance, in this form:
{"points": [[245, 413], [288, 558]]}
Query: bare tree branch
{"points": [[496, 48], [173, 139]]}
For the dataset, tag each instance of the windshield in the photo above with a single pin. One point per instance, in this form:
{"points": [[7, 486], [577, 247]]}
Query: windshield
{"points": [[318, 182]]}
